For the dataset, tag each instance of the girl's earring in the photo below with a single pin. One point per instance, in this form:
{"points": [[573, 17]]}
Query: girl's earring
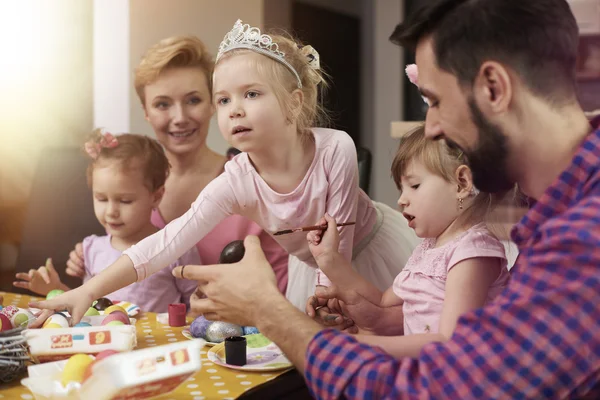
{"points": [[460, 203]]}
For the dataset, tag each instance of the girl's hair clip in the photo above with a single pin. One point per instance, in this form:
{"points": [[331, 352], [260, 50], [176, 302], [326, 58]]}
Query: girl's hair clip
{"points": [[413, 76], [312, 56], [93, 147]]}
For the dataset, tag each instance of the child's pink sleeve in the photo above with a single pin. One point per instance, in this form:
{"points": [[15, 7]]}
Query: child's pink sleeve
{"points": [[215, 203]]}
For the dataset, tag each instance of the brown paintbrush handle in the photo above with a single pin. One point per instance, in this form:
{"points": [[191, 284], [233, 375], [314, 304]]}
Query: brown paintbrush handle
{"points": [[323, 227]]}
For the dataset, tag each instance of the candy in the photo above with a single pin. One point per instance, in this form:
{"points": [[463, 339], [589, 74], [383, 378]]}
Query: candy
{"points": [[114, 308], [91, 311], [53, 293], [5, 324], [75, 368], [232, 252], [218, 331], [116, 316], [102, 304]]}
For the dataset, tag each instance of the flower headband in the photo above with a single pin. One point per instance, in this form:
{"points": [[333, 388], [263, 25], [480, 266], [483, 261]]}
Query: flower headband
{"points": [[107, 141]]}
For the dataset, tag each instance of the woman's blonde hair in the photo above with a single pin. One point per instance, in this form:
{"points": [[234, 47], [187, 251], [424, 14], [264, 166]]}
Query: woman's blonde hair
{"points": [[173, 52], [442, 160], [131, 151], [314, 84]]}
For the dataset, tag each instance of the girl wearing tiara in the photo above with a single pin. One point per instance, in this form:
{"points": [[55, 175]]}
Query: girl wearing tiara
{"points": [[127, 175], [289, 175]]}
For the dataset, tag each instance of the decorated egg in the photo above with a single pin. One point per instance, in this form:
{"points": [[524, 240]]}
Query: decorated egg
{"points": [[105, 353], [116, 316], [102, 304], [57, 320], [82, 325], [91, 311], [53, 293], [232, 252], [5, 324], [75, 368], [114, 323], [218, 331], [114, 308], [9, 311], [199, 326], [250, 330], [23, 317]]}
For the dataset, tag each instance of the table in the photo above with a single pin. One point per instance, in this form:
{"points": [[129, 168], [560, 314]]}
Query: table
{"points": [[211, 382]]}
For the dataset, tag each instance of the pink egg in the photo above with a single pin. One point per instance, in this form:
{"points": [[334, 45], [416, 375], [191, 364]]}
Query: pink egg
{"points": [[116, 316]]}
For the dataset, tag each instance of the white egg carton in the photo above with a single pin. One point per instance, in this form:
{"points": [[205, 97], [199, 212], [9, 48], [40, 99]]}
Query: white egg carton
{"points": [[139, 374], [58, 343]]}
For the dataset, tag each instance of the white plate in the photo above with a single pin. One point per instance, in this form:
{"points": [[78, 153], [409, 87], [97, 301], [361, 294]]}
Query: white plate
{"points": [[188, 335], [261, 355]]}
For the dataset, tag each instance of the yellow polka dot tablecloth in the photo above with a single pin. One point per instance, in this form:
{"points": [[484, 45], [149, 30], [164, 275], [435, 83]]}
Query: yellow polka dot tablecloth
{"points": [[211, 382]]}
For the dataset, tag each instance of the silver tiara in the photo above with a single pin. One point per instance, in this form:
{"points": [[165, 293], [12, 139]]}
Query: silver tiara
{"points": [[244, 36]]}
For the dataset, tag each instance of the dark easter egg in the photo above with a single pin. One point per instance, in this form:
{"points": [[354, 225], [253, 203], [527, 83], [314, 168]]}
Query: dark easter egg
{"points": [[233, 252], [102, 304]]}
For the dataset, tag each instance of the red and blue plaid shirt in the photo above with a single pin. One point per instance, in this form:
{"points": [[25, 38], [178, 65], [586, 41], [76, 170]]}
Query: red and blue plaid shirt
{"points": [[539, 339]]}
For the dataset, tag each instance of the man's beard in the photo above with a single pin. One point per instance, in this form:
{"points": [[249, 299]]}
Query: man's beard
{"points": [[488, 161]]}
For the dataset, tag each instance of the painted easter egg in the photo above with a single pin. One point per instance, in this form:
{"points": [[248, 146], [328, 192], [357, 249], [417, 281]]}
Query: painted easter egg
{"points": [[199, 326], [53, 293], [56, 321], [9, 311], [116, 316], [102, 304], [106, 353], [114, 308], [114, 323], [250, 330], [103, 354], [91, 311], [232, 252], [23, 317], [75, 368], [5, 324], [218, 331], [82, 325]]}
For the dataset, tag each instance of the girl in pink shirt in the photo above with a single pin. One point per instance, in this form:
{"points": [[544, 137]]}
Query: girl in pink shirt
{"points": [[289, 175], [459, 266], [127, 174]]}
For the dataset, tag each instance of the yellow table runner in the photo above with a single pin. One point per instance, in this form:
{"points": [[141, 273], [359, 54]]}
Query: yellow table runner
{"points": [[211, 382]]}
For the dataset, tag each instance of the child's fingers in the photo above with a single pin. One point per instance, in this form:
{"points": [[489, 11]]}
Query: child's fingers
{"points": [[41, 317], [79, 251], [21, 284], [44, 274], [50, 266], [32, 272], [23, 276]]}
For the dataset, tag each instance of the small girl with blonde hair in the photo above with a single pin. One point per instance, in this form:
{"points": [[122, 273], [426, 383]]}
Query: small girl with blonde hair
{"points": [[459, 266], [127, 174], [289, 174]]}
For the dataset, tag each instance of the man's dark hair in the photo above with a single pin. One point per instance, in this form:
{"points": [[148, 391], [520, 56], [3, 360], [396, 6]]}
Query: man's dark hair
{"points": [[536, 38]]}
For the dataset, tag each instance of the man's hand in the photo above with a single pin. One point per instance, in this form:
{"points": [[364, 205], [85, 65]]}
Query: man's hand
{"points": [[234, 292], [328, 313]]}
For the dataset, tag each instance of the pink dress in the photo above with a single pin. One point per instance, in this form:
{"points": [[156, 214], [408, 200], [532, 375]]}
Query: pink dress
{"points": [[233, 228], [153, 294], [422, 282]]}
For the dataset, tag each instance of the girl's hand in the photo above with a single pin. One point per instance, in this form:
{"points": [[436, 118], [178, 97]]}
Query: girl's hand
{"points": [[327, 312], [76, 302], [324, 243], [41, 280], [76, 264]]}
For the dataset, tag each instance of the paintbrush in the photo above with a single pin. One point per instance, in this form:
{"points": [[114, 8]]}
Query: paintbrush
{"points": [[310, 228]]}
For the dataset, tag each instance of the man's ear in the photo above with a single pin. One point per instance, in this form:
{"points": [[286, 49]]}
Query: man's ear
{"points": [[493, 88]]}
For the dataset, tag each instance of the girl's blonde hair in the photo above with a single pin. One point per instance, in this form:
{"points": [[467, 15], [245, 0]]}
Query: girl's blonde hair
{"points": [[173, 52], [442, 160], [314, 84], [130, 151]]}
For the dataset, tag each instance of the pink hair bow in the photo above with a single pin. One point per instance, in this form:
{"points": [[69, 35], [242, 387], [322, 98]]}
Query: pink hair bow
{"points": [[108, 141], [413, 76]]}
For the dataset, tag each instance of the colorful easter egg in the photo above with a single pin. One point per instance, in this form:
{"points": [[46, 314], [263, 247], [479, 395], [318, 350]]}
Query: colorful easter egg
{"points": [[53, 293], [114, 323], [5, 324], [56, 319], [52, 325], [199, 326], [116, 316], [114, 308], [82, 325], [75, 368], [105, 353], [102, 304], [250, 330], [23, 317], [218, 331], [91, 311], [9, 311]]}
